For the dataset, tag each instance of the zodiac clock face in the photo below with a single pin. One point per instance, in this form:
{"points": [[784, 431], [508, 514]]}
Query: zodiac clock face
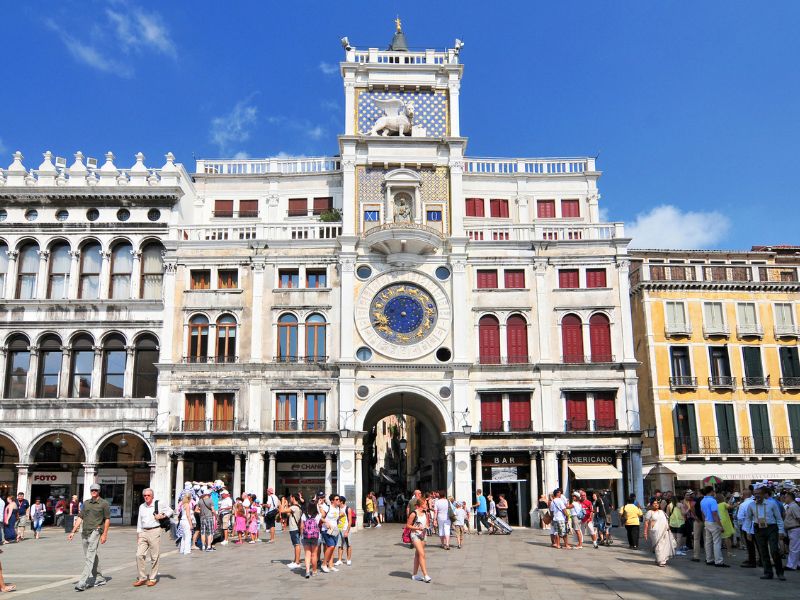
{"points": [[403, 313]]}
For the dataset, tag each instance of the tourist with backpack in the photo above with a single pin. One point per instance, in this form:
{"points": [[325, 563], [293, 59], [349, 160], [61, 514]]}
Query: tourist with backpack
{"points": [[152, 519], [310, 534], [295, 515], [347, 520]]}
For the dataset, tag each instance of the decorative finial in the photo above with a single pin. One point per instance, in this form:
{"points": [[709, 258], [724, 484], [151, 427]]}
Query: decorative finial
{"points": [[398, 24]]}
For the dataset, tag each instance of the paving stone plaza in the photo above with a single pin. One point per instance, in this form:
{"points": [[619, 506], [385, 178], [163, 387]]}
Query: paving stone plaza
{"points": [[518, 566]]}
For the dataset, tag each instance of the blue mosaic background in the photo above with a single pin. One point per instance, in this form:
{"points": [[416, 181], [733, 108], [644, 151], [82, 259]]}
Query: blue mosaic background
{"points": [[430, 110]]}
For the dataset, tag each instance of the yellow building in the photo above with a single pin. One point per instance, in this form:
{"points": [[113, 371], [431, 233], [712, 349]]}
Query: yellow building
{"points": [[716, 334]]}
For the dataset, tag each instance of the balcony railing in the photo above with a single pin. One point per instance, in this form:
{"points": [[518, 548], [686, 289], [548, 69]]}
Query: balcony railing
{"points": [[587, 425], [283, 166], [317, 358], [739, 445], [755, 383], [533, 166], [209, 425], [715, 330], [220, 360], [240, 214], [790, 383], [683, 382], [749, 330], [504, 360], [299, 425], [504, 426], [715, 273], [722, 382], [530, 233], [297, 230], [677, 329], [787, 331]]}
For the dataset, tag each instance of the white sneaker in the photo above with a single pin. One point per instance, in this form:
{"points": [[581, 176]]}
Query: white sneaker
{"points": [[426, 579], [334, 569], [292, 565], [325, 569], [338, 562], [349, 562], [223, 543], [378, 525], [417, 577]]}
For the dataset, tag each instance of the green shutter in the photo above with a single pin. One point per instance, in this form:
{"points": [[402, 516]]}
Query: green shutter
{"points": [[759, 420], [726, 428], [752, 362], [790, 364], [692, 426], [794, 426]]}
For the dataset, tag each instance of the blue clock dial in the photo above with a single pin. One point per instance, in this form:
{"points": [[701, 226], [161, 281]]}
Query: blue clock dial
{"points": [[403, 313]]}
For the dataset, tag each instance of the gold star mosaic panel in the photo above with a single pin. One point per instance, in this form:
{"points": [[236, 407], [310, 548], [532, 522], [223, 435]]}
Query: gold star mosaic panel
{"points": [[430, 110]]}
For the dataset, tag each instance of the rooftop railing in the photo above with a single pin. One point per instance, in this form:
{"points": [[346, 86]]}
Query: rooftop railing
{"points": [[262, 166], [530, 233], [296, 230], [531, 166]]}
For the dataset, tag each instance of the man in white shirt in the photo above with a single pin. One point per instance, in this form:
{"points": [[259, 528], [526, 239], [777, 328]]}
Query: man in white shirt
{"points": [[558, 508], [746, 523], [330, 532], [148, 537], [225, 513], [271, 507]]}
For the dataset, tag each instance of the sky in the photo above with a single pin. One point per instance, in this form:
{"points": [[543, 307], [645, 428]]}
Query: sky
{"points": [[691, 107]]}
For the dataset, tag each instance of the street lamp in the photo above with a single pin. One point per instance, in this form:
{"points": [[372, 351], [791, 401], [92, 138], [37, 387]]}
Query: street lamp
{"points": [[465, 427], [650, 432], [403, 444], [344, 431]]}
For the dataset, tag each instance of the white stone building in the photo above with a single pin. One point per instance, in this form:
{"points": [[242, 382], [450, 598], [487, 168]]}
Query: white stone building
{"points": [[306, 299]]}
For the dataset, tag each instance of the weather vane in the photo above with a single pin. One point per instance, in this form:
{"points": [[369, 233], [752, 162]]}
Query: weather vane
{"points": [[398, 24]]}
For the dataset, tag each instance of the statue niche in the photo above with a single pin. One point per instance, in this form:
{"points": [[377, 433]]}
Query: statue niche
{"points": [[403, 208]]}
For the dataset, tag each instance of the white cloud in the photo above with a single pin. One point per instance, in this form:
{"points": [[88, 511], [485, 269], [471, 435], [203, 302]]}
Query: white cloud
{"points": [[666, 226], [89, 54], [234, 127], [315, 133], [328, 68], [302, 126], [241, 155], [136, 30]]}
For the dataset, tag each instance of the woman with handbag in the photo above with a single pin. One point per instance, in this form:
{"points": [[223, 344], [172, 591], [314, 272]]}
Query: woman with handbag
{"points": [[416, 526]]}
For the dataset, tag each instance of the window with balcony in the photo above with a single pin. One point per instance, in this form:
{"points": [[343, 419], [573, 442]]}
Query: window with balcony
{"points": [[568, 279], [152, 271], [517, 339], [596, 278], [491, 412], [658, 272], [226, 339], [3, 267], [27, 271], [514, 278], [498, 208], [572, 339], [248, 209], [315, 338], [49, 367], [322, 205], [315, 412], [286, 412], [287, 338], [198, 339], [570, 209], [576, 411], [223, 413], [114, 360], [681, 368], [676, 319], [759, 425], [474, 207], [223, 208], [546, 209], [316, 278], [685, 424], [720, 368], [726, 430], [600, 338], [519, 411], [228, 279], [298, 207], [487, 279], [145, 372], [200, 279], [784, 320], [60, 261], [714, 319], [489, 340], [753, 368], [81, 367], [605, 411], [18, 360], [194, 416], [288, 278], [121, 270], [790, 367], [747, 320]]}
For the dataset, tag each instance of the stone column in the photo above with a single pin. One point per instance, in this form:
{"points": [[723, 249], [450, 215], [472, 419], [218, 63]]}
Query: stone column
{"points": [[73, 285], [178, 475], [41, 278], [236, 489], [347, 284], [346, 470], [544, 313], [97, 372], [105, 274], [357, 501], [136, 270], [565, 472], [254, 473], [63, 376], [89, 477], [550, 471], [272, 480], [153, 468], [457, 205], [2, 361], [453, 88], [534, 481], [33, 369], [328, 474], [462, 479], [637, 482], [23, 479], [168, 285], [350, 203], [462, 350], [256, 319], [620, 486], [11, 278], [127, 385], [478, 472], [449, 455], [626, 325]]}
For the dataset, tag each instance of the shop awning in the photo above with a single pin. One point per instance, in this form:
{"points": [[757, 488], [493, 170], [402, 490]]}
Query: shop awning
{"points": [[595, 472], [754, 471]]}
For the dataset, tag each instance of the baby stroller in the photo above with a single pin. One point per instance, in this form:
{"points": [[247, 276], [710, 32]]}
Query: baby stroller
{"points": [[501, 527]]}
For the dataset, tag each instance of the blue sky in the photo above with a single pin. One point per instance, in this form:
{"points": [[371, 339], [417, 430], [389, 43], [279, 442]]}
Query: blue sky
{"points": [[691, 106]]}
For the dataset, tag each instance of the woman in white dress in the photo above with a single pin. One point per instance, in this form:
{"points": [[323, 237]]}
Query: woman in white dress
{"points": [[186, 523], [442, 509], [656, 530]]}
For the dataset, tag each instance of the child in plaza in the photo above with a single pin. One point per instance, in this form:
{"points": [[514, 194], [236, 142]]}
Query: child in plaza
{"points": [[240, 521]]}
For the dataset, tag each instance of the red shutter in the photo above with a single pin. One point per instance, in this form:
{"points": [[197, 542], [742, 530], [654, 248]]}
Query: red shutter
{"points": [[322, 204], [576, 412], [570, 208], [595, 278], [475, 207], [223, 208], [487, 279], [491, 412], [519, 412], [568, 279], [572, 339], [298, 207], [517, 334], [499, 208], [514, 278], [600, 338], [248, 208], [489, 340], [605, 414], [546, 209]]}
